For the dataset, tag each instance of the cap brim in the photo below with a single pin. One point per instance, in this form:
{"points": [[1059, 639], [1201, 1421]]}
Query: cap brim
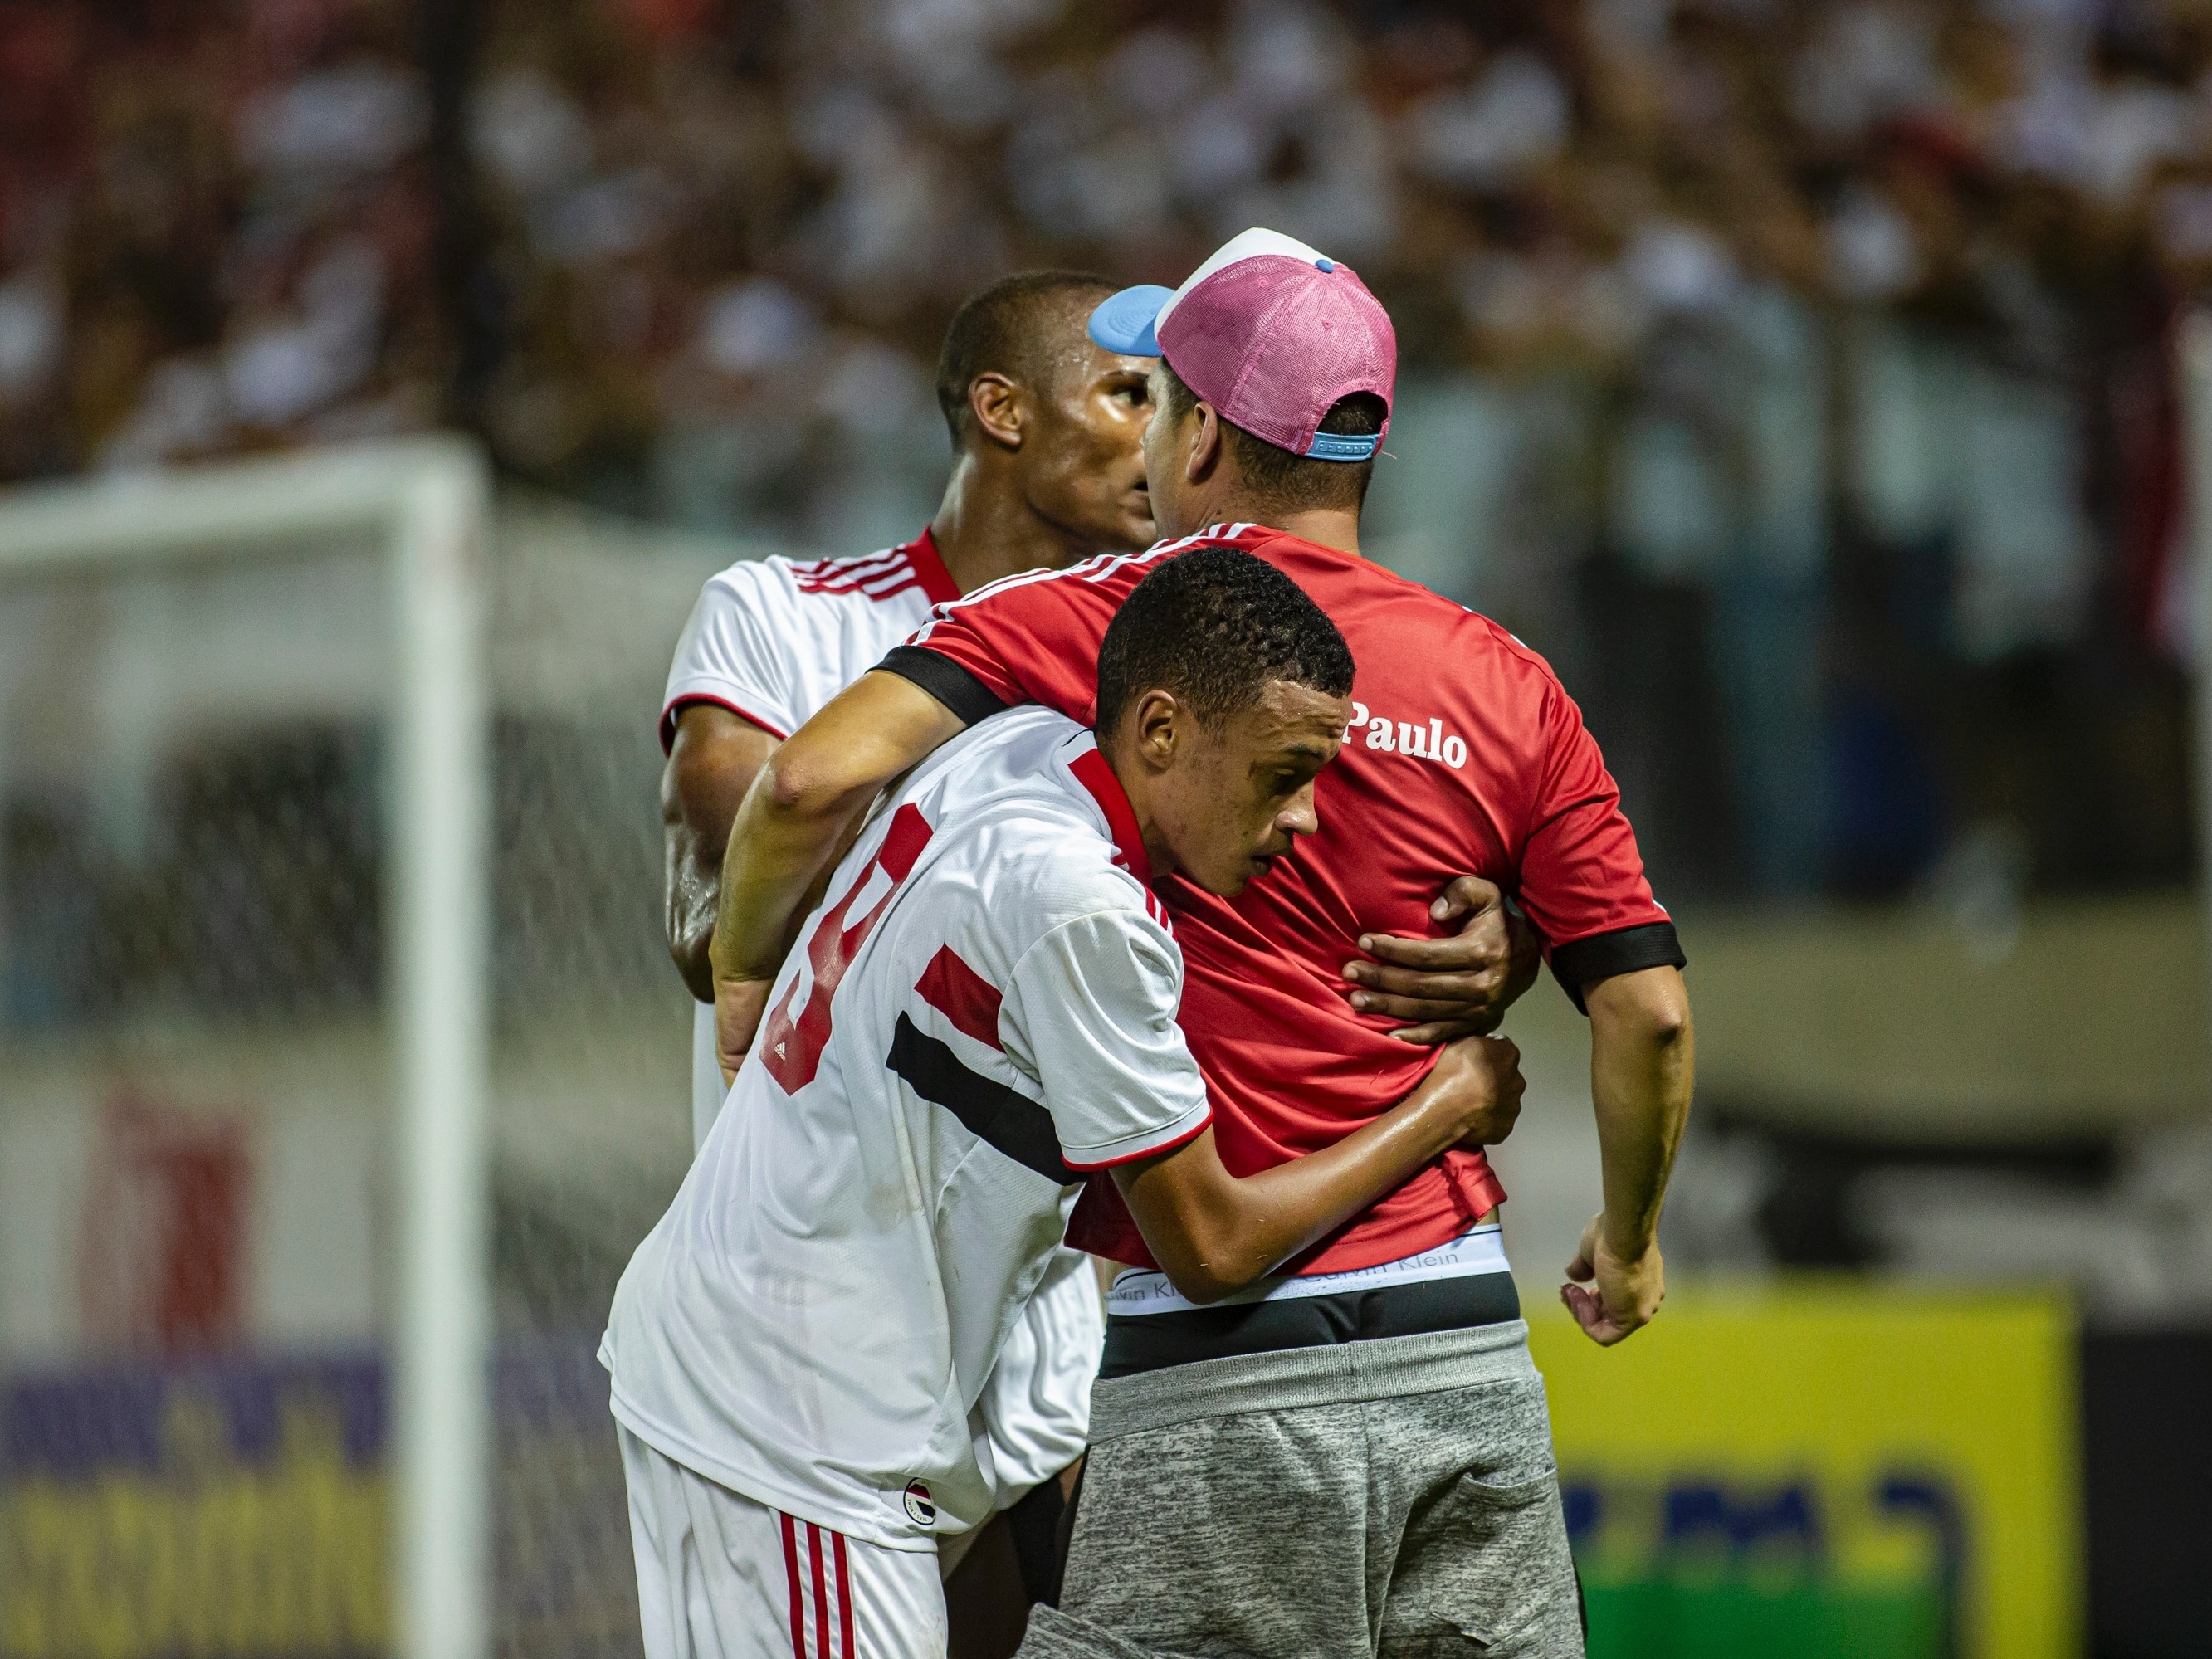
{"points": [[1124, 322]]}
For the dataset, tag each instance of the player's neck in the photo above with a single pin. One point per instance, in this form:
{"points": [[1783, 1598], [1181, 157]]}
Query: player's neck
{"points": [[1136, 785], [1324, 526], [984, 530]]}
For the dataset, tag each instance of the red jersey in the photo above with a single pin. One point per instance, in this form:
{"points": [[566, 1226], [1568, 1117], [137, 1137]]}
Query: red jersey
{"points": [[1465, 757]]}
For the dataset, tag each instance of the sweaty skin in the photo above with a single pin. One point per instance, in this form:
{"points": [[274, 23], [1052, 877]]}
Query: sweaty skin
{"points": [[712, 761]]}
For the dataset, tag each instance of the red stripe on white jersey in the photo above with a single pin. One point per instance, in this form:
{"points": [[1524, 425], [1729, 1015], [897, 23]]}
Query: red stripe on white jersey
{"points": [[1166, 1143], [871, 585], [852, 573], [1092, 770], [878, 575], [674, 711], [853, 564], [905, 581], [964, 996]]}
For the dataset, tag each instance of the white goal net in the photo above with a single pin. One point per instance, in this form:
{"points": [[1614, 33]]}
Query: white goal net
{"points": [[341, 1065]]}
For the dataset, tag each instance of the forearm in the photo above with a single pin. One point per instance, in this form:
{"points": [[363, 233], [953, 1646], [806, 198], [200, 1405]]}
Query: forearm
{"points": [[714, 759], [1214, 1233], [692, 902], [807, 798], [782, 841], [1642, 1065], [1281, 1210]]}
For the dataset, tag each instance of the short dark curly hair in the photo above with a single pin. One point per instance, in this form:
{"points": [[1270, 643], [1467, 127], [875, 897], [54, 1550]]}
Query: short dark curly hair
{"points": [[1214, 626], [1007, 327]]}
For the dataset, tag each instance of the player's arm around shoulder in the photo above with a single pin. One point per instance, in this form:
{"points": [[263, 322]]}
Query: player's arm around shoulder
{"points": [[794, 822]]}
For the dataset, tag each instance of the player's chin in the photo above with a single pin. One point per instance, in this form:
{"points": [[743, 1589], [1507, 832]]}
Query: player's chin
{"points": [[1227, 884]]}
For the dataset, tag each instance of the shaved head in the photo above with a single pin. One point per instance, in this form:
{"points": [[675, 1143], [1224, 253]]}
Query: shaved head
{"points": [[1022, 327]]}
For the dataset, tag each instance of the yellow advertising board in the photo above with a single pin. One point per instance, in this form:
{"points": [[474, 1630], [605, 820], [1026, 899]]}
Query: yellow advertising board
{"points": [[1824, 1472]]}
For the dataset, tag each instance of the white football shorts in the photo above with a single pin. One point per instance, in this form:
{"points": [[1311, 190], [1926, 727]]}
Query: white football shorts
{"points": [[722, 1577]]}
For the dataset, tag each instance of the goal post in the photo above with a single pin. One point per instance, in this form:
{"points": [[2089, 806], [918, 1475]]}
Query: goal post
{"points": [[424, 503]]}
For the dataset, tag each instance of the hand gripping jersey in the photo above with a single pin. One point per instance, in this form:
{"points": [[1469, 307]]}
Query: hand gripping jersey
{"points": [[981, 1011], [772, 641], [1465, 757]]}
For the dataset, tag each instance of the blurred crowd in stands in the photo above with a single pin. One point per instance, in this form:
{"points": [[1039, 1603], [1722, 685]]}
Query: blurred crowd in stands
{"points": [[1802, 374]]}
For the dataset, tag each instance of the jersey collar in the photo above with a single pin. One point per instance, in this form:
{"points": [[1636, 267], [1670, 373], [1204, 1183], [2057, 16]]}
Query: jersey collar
{"points": [[1080, 756], [936, 581]]}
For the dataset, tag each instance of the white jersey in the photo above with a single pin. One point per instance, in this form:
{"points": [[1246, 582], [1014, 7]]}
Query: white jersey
{"points": [[982, 1010], [772, 640]]}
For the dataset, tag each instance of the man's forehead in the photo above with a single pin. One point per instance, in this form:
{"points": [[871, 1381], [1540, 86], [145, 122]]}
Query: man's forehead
{"points": [[1295, 696], [1099, 361], [1080, 361], [1287, 711]]}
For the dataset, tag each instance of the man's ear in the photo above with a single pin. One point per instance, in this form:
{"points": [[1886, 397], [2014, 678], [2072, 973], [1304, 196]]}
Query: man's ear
{"points": [[1159, 718], [996, 406], [1205, 456]]}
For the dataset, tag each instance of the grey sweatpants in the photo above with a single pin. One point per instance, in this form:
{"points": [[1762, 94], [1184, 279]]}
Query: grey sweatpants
{"points": [[1393, 1497]]}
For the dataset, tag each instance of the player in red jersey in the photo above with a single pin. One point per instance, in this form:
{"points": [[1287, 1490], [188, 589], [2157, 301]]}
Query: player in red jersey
{"points": [[1045, 425], [1379, 1388]]}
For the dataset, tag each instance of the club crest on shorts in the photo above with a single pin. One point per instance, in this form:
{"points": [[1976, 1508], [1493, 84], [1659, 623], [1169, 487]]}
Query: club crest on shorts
{"points": [[920, 1507]]}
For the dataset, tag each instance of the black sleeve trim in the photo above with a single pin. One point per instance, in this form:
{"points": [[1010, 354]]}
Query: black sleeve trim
{"points": [[944, 680], [1585, 963]]}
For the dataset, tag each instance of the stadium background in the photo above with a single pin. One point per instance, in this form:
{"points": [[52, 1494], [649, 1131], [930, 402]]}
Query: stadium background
{"points": [[1807, 382]]}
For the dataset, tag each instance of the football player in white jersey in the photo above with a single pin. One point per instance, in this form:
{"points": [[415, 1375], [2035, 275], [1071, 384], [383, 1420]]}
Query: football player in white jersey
{"points": [[980, 1015], [1047, 470]]}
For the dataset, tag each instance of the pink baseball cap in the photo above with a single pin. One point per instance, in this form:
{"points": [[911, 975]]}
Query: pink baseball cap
{"points": [[1271, 334]]}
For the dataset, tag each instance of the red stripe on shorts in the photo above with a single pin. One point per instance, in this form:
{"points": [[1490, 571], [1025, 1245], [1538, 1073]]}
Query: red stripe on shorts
{"points": [[844, 1597], [790, 1568], [821, 1606]]}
